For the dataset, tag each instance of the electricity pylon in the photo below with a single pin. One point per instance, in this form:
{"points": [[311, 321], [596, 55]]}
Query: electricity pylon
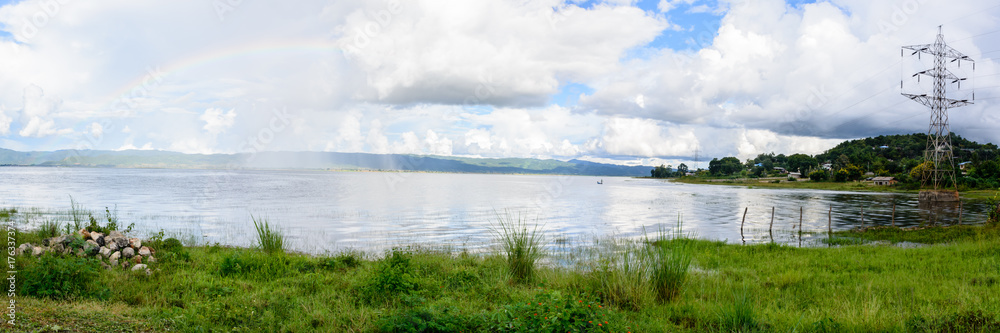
{"points": [[939, 150]]}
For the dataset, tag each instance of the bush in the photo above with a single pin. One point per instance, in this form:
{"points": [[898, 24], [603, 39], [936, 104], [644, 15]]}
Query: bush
{"points": [[430, 319], [63, 278], [393, 277], [819, 175], [342, 261], [520, 248], [551, 311]]}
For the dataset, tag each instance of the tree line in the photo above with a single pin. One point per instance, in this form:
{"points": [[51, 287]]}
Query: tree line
{"points": [[977, 166]]}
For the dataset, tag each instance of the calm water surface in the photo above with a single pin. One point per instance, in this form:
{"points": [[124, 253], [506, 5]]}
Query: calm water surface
{"points": [[328, 211]]}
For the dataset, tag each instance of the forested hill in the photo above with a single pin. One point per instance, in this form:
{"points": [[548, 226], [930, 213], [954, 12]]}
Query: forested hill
{"points": [[904, 149]]}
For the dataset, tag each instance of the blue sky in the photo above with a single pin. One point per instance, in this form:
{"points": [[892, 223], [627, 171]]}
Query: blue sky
{"points": [[604, 80]]}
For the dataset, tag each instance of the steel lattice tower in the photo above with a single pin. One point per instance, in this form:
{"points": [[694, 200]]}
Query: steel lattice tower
{"points": [[939, 149]]}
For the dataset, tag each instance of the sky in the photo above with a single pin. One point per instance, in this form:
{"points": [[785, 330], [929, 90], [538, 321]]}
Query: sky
{"points": [[618, 81]]}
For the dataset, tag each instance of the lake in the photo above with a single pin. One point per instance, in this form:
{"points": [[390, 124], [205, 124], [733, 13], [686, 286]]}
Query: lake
{"points": [[324, 211]]}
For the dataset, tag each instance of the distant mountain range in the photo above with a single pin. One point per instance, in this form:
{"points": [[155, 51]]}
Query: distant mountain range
{"points": [[314, 160]]}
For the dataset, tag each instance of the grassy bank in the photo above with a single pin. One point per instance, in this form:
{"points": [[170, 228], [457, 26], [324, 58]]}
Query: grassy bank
{"points": [[617, 286], [831, 186]]}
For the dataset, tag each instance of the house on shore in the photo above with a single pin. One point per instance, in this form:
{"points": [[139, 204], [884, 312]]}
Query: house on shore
{"points": [[884, 181]]}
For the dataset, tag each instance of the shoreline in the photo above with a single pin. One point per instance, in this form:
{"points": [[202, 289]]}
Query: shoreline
{"points": [[856, 186]]}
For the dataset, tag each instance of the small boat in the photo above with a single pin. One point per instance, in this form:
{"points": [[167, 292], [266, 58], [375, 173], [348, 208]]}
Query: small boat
{"points": [[599, 182]]}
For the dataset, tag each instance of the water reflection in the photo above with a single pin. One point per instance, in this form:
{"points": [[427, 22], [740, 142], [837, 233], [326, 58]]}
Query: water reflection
{"points": [[327, 211]]}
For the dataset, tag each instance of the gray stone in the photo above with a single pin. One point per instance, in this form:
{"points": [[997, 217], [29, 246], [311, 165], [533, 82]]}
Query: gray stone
{"points": [[36, 251], [91, 248], [53, 241], [58, 248], [135, 243], [105, 252], [114, 262], [151, 259], [97, 237], [115, 256], [122, 242], [128, 252], [138, 267], [80, 253], [25, 248], [115, 234], [144, 251], [112, 245]]}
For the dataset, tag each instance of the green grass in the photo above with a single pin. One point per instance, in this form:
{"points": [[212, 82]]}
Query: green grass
{"points": [[521, 248], [950, 287], [268, 239]]}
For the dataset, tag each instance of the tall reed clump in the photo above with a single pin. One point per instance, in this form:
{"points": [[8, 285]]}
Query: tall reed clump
{"points": [[270, 240], [77, 213], [621, 274], [521, 248], [669, 261]]}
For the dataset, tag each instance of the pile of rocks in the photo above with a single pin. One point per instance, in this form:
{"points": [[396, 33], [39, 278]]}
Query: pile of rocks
{"points": [[113, 249]]}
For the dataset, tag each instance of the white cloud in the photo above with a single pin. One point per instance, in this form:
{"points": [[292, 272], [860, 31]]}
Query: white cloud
{"points": [[773, 77], [218, 121], [488, 52], [5, 122]]}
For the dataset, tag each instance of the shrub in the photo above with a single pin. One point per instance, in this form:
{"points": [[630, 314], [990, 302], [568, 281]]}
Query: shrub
{"points": [[342, 261], [551, 311], [819, 175], [63, 278], [430, 319], [393, 277], [48, 229], [520, 247], [269, 240]]}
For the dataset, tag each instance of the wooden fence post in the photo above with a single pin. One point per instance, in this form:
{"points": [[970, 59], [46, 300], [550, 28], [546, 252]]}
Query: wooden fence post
{"points": [[862, 215], [894, 214], [770, 230], [741, 223], [829, 221]]}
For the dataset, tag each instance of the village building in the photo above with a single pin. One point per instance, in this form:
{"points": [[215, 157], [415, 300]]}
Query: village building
{"points": [[884, 181]]}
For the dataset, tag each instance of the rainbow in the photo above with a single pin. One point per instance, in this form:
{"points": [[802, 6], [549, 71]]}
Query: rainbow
{"points": [[223, 54]]}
